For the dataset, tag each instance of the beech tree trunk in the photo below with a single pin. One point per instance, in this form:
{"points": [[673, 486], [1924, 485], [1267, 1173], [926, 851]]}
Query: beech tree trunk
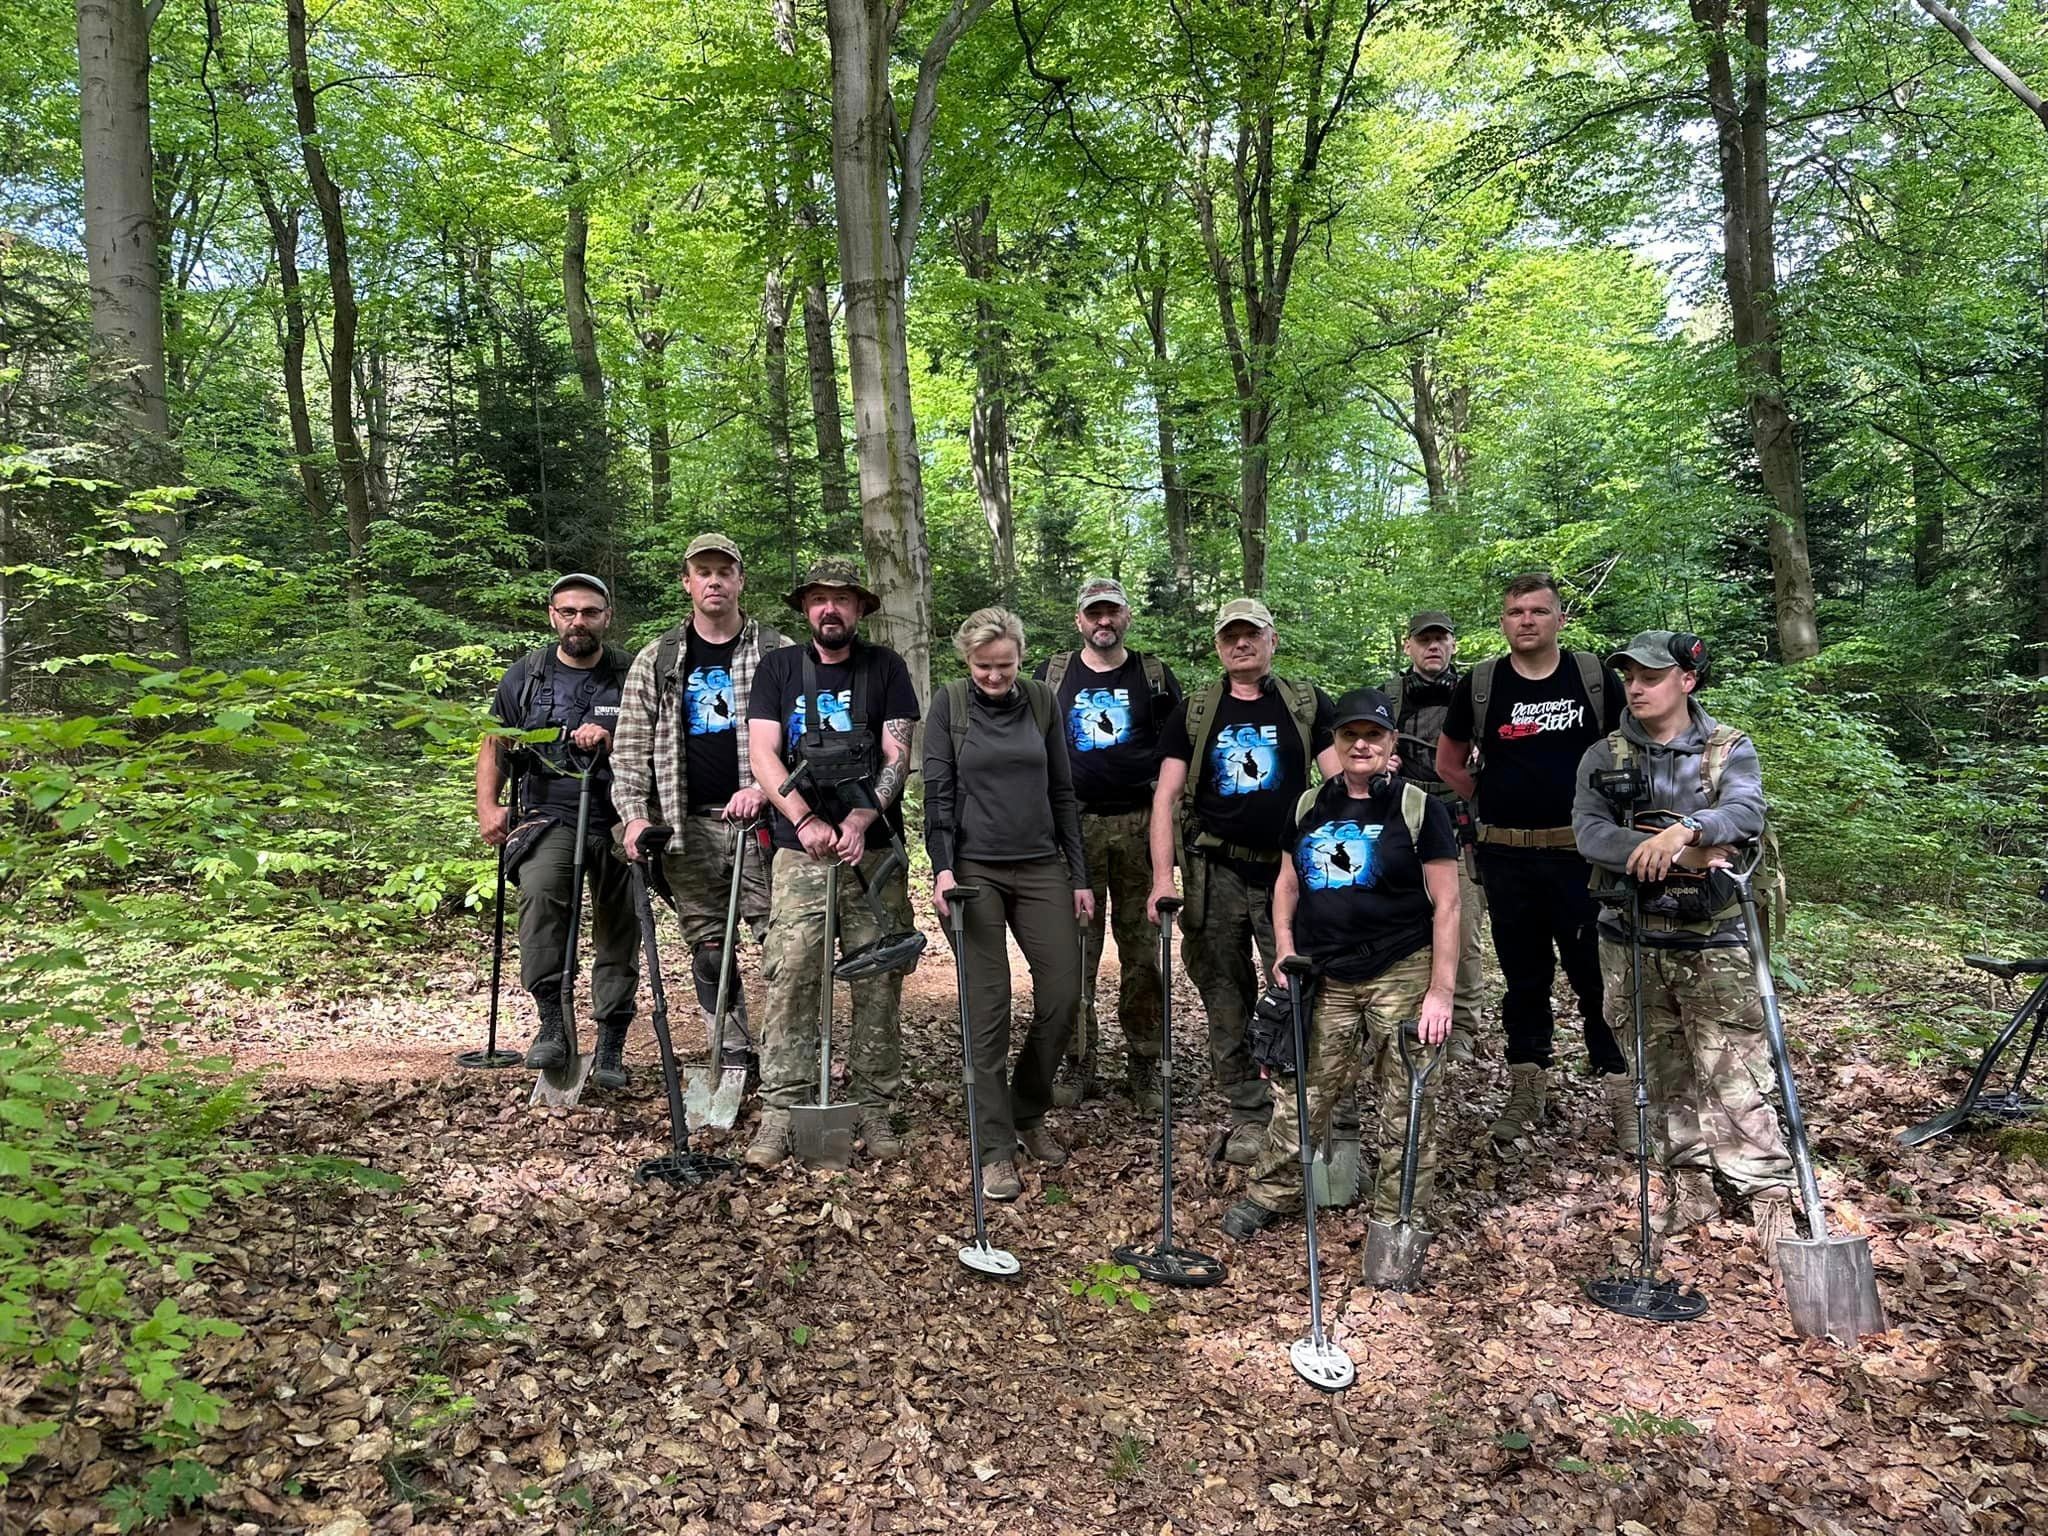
{"points": [[125, 283], [284, 238], [1423, 419], [775, 350], [341, 338], [821, 364], [988, 427], [877, 232], [581, 324], [1150, 277], [1750, 270]]}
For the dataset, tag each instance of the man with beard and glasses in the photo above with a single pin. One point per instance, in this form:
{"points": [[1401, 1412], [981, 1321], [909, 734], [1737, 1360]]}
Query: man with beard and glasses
{"points": [[1113, 701], [682, 761], [835, 684], [571, 688]]}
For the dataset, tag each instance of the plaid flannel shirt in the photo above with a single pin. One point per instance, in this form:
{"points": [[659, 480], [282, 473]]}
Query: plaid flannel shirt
{"points": [[648, 748]]}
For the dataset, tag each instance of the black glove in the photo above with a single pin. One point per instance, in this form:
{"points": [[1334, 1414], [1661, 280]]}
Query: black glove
{"points": [[1270, 1033]]}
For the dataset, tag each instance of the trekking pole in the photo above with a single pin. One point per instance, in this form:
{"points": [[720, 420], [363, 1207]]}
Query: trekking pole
{"points": [[978, 1255], [490, 1056], [679, 1165], [561, 1087], [1167, 1263], [1317, 1359]]}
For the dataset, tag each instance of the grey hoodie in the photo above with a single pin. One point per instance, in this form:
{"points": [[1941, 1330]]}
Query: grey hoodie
{"points": [[1734, 815]]}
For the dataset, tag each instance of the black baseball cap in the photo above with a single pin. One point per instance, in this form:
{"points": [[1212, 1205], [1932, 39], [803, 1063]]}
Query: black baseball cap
{"points": [[1429, 619], [582, 579], [1367, 706]]}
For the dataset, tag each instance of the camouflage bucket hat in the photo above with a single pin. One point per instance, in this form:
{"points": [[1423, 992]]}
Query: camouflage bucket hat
{"points": [[834, 571]]}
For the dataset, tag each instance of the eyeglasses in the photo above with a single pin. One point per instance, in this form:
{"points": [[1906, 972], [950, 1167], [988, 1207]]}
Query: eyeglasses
{"points": [[579, 613]]}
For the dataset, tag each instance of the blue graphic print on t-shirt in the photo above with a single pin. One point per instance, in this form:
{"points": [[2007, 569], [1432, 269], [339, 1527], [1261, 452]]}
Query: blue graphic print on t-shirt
{"points": [[1246, 759], [835, 709], [711, 704], [1337, 855], [1100, 719]]}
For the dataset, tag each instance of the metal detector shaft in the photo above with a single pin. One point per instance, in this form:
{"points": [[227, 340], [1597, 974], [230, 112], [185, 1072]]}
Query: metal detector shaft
{"points": [[1781, 1057], [956, 903], [497, 954], [1296, 969], [576, 858], [726, 959], [825, 983], [671, 1079], [1642, 1074], [1168, 906]]}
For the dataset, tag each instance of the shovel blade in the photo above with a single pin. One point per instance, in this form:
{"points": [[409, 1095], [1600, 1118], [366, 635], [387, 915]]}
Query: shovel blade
{"points": [[1336, 1174], [1394, 1251], [821, 1135], [562, 1087], [1830, 1288], [713, 1098]]}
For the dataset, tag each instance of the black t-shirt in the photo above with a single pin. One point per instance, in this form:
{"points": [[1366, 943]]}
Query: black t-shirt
{"points": [[778, 694], [712, 747], [1363, 903], [1251, 770], [564, 698], [1534, 735], [1112, 722]]}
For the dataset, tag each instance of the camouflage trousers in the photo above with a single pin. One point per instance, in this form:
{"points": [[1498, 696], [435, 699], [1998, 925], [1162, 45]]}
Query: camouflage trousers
{"points": [[1226, 919], [1471, 921], [793, 968], [1120, 864], [1356, 1028], [1710, 1077], [698, 867]]}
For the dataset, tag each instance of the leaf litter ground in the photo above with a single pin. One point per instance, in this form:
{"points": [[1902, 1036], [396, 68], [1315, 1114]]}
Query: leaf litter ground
{"points": [[520, 1339]]}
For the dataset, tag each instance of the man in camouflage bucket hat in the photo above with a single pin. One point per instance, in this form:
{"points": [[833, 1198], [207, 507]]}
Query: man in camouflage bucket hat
{"points": [[833, 571], [1708, 1060]]}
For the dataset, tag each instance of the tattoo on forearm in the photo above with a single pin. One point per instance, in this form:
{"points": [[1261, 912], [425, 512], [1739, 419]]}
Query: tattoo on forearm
{"points": [[887, 783]]}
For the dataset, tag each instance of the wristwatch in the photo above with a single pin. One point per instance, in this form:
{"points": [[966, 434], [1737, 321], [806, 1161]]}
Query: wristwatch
{"points": [[1693, 827]]}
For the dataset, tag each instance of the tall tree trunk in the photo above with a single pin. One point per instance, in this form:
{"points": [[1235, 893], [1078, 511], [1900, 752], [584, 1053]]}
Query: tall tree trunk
{"points": [[341, 339], [877, 233], [125, 281], [821, 364], [654, 396], [575, 264], [1750, 270], [988, 427], [284, 238], [1423, 419], [373, 386], [2041, 519], [775, 331], [1150, 278]]}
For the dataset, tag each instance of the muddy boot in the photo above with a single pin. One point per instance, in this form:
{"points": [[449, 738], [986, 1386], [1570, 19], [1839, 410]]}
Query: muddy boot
{"points": [[878, 1135], [1459, 1047], [1076, 1082], [1523, 1111], [550, 1048], [1141, 1073], [609, 1071], [1771, 1213], [771, 1140], [1690, 1199], [1620, 1089], [1247, 1140]]}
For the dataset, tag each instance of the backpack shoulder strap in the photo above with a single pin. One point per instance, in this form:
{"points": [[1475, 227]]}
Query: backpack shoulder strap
{"points": [[1721, 743], [1623, 753], [1056, 669], [1300, 699], [1305, 802], [1414, 802], [1482, 695], [535, 662], [668, 656], [1594, 678], [1202, 709], [1155, 673], [1044, 703], [956, 715]]}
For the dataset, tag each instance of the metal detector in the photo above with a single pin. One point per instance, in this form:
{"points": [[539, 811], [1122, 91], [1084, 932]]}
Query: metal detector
{"points": [[2014, 1104], [821, 1134], [714, 1096], [491, 1056], [895, 950], [679, 1165], [1166, 1262], [1317, 1359], [1639, 1293], [1394, 1250], [980, 1255], [562, 1087], [1830, 1287]]}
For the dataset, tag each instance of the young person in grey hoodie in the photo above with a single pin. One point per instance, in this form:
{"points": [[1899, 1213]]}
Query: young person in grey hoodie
{"points": [[1000, 814], [1708, 1058]]}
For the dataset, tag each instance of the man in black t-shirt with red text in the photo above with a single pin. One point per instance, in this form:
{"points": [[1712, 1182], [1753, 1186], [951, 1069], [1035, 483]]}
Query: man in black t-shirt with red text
{"points": [[1233, 760], [1517, 728]]}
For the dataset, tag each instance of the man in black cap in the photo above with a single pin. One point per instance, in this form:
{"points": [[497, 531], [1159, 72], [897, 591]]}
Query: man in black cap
{"points": [[572, 688]]}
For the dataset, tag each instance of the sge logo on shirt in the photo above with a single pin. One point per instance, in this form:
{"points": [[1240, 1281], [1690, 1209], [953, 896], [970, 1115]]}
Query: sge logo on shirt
{"points": [[1246, 759], [835, 711], [1100, 719], [711, 703]]}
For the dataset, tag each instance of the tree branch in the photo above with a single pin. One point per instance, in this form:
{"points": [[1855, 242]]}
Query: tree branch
{"points": [[1996, 66]]}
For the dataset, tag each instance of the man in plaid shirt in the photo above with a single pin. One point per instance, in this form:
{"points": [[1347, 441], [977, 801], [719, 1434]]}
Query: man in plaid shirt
{"points": [[679, 759]]}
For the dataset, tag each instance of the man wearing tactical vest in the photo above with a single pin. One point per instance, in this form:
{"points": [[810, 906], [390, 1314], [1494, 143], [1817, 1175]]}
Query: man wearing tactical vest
{"points": [[570, 687], [1708, 1059], [680, 762], [832, 700], [1422, 693], [1512, 741], [1233, 760], [1113, 701]]}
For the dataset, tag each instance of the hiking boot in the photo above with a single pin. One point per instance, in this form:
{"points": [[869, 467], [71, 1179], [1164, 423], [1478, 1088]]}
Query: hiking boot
{"points": [[1247, 1140], [1076, 1082], [1247, 1219], [878, 1135], [1620, 1089], [609, 1071], [771, 1140], [1523, 1111], [999, 1181], [1459, 1047], [1141, 1076], [1771, 1214], [750, 1063], [1039, 1143], [1690, 1200], [550, 1048]]}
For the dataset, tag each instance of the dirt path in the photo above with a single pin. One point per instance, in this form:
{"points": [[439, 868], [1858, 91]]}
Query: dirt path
{"points": [[521, 1339]]}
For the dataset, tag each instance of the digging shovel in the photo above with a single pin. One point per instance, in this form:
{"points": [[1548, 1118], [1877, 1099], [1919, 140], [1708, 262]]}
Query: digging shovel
{"points": [[821, 1134], [562, 1087], [714, 1095], [1830, 1286], [1394, 1250]]}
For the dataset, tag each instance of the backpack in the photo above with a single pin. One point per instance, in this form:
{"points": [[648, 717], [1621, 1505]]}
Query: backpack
{"points": [[535, 662], [1300, 699], [1414, 804], [1592, 675], [1767, 881], [1419, 727], [670, 649], [1044, 705], [1154, 668]]}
